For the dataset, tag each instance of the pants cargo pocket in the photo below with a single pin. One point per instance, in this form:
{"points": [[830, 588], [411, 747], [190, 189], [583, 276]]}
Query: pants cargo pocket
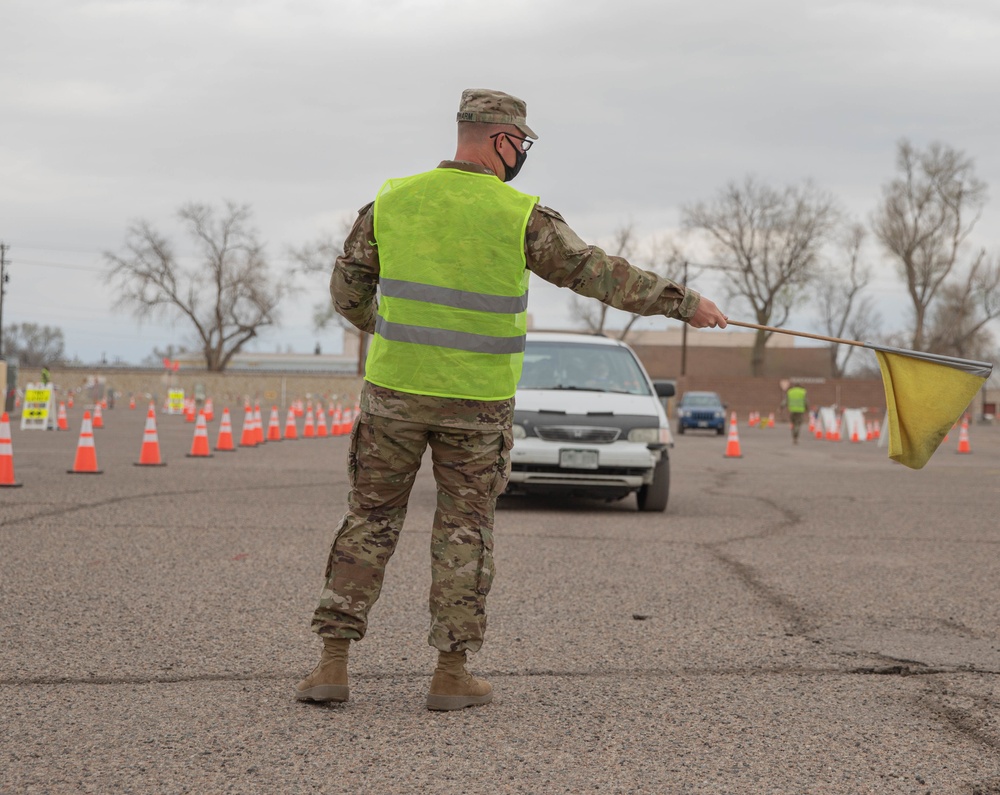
{"points": [[484, 578], [501, 473]]}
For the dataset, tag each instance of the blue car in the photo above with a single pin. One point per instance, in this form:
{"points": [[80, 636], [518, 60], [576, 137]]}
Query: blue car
{"points": [[701, 410]]}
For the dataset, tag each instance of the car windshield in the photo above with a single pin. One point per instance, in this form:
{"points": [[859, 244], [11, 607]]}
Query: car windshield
{"points": [[696, 399], [574, 365]]}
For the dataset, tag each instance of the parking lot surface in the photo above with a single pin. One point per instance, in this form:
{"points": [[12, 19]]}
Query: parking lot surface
{"points": [[804, 619]]}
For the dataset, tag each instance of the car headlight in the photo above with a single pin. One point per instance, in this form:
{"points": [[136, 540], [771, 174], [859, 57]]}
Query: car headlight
{"points": [[644, 435], [720, 415], [518, 432]]}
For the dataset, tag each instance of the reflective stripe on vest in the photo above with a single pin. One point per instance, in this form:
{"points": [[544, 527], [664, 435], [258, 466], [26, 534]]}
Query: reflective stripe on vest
{"points": [[452, 312]]}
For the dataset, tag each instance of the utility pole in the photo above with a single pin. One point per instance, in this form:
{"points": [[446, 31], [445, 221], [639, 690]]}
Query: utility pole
{"points": [[684, 329], [3, 286]]}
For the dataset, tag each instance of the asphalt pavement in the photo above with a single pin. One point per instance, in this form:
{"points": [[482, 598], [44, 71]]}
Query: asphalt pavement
{"points": [[804, 619]]}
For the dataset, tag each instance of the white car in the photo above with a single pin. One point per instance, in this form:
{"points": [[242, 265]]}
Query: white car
{"points": [[589, 421]]}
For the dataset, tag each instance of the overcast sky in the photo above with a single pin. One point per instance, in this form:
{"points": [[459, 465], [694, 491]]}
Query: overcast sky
{"points": [[123, 109]]}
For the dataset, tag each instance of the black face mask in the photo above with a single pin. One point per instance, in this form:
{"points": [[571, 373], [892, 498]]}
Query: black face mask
{"points": [[509, 172]]}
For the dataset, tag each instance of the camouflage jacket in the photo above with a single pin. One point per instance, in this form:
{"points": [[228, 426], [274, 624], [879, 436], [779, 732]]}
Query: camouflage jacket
{"points": [[553, 251]]}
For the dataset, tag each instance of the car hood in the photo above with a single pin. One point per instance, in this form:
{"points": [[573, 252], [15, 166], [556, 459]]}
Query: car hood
{"points": [[571, 401]]}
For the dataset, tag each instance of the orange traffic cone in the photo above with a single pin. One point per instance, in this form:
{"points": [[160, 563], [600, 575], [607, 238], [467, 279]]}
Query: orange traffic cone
{"points": [[86, 454], [131, 402], [6, 455], [70, 401], [320, 422], [309, 431], [337, 426], [62, 423], [770, 420], [291, 429], [733, 442], [348, 420], [258, 425], [224, 444], [963, 437], [209, 410], [273, 428], [98, 421], [248, 438], [199, 447], [149, 455]]}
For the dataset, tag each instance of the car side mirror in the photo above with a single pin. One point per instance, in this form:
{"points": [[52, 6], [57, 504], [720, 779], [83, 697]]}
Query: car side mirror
{"points": [[664, 389]]}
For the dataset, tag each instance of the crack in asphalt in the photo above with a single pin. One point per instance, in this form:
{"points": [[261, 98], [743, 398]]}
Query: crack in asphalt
{"points": [[900, 670], [70, 509]]}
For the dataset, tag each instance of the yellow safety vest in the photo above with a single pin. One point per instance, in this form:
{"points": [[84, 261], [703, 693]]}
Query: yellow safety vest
{"points": [[796, 400], [453, 285]]}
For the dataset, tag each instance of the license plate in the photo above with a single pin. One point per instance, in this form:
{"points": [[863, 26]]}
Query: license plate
{"points": [[703, 423], [578, 459]]}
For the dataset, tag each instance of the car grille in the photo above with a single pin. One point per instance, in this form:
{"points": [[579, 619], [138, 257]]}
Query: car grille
{"points": [[577, 433], [702, 416]]}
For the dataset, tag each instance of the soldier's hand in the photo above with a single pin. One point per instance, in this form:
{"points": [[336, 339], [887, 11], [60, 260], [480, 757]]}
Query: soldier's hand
{"points": [[707, 315]]}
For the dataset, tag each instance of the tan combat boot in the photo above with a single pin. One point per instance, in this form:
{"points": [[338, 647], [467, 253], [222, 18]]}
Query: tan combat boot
{"points": [[455, 688], [328, 681]]}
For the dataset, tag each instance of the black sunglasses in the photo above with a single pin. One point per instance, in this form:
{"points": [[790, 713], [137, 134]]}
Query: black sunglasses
{"points": [[525, 142]]}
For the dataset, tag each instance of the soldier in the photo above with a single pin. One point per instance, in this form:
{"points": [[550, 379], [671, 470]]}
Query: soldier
{"points": [[450, 251], [796, 402]]}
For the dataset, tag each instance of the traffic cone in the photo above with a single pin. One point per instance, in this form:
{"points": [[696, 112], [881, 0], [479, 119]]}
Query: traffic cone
{"points": [[273, 428], [86, 454], [320, 422], [963, 437], [69, 401], [770, 420], [224, 444], [62, 423], [189, 410], [131, 402], [348, 421], [733, 442], [209, 410], [248, 438], [337, 426], [291, 429], [7, 455], [258, 425], [309, 431], [199, 447], [812, 423], [149, 455], [98, 421]]}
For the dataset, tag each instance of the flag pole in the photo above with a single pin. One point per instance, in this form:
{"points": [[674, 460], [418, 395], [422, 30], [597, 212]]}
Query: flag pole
{"points": [[777, 330], [984, 369]]}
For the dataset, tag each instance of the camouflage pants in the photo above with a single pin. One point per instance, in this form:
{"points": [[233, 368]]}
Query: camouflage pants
{"points": [[471, 469]]}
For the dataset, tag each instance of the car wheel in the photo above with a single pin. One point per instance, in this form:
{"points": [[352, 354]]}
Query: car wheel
{"points": [[653, 496], [720, 431], [680, 428]]}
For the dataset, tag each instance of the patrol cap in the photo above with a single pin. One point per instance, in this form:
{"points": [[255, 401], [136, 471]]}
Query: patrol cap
{"points": [[494, 107]]}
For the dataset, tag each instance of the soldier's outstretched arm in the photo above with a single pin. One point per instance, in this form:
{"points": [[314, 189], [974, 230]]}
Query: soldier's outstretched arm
{"points": [[557, 254], [354, 281]]}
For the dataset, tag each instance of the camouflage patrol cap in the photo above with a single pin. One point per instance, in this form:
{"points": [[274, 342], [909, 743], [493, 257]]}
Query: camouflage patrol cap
{"points": [[494, 107]]}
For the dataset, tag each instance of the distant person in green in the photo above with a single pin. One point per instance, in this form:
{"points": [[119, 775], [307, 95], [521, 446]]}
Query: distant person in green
{"points": [[46, 376], [795, 400]]}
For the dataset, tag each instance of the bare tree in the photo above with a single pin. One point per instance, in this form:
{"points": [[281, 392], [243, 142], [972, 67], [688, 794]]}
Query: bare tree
{"points": [[769, 241], [927, 212], [228, 297], [660, 255], [844, 310], [34, 345], [318, 258], [958, 325]]}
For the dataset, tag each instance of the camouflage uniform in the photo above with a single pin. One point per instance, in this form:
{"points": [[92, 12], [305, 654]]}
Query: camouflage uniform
{"points": [[470, 440]]}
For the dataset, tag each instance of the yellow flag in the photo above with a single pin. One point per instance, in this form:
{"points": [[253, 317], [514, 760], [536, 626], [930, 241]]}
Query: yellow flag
{"points": [[924, 399]]}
